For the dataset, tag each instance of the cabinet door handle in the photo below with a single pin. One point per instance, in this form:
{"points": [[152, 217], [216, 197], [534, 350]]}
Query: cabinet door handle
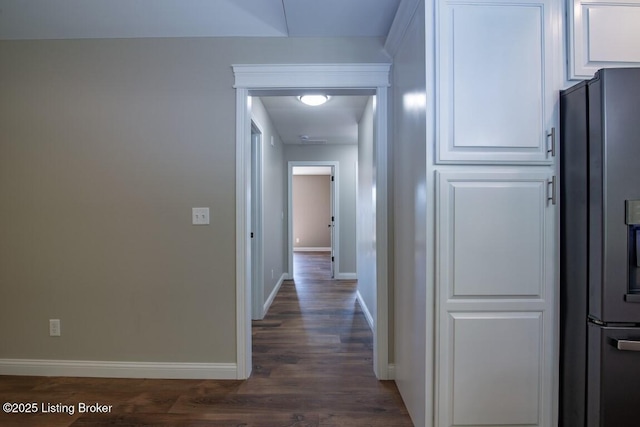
{"points": [[552, 147], [626, 345], [551, 190]]}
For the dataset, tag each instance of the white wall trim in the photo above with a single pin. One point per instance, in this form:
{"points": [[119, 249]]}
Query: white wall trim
{"points": [[105, 369], [346, 276], [406, 10], [296, 76], [381, 331], [365, 311], [311, 249], [392, 371], [243, 230], [263, 76], [273, 294]]}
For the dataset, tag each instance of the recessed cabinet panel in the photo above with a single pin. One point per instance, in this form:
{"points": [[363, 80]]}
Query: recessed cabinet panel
{"points": [[493, 233], [494, 104], [603, 34], [611, 43], [496, 374]]}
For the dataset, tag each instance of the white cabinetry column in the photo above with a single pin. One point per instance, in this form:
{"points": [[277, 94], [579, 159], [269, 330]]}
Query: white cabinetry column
{"points": [[496, 73]]}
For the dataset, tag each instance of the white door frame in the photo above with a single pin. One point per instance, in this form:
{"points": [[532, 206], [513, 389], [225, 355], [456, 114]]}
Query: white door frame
{"points": [[321, 76], [335, 240]]}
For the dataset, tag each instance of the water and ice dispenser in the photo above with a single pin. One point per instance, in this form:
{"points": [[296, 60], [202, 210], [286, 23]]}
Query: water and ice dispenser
{"points": [[633, 224]]}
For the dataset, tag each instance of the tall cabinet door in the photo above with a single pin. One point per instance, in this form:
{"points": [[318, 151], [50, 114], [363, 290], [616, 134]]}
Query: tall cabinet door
{"points": [[496, 97], [495, 245]]}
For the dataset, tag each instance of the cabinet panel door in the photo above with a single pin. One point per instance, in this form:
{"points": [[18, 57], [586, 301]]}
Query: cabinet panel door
{"points": [[494, 235], [496, 297], [496, 370], [603, 34], [494, 103]]}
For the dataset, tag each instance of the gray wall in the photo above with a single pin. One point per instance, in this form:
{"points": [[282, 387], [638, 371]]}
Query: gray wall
{"points": [[105, 147], [410, 220], [274, 229], [346, 156], [367, 283], [311, 211]]}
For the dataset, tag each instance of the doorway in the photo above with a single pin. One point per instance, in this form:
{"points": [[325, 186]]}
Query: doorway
{"points": [[256, 80], [257, 258], [317, 229]]}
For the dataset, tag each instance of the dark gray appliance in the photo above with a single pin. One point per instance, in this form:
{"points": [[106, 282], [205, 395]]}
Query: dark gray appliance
{"points": [[600, 251]]}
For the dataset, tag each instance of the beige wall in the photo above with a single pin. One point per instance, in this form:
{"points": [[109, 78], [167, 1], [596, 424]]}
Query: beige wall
{"points": [[105, 147], [274, 228], [311, 211]]}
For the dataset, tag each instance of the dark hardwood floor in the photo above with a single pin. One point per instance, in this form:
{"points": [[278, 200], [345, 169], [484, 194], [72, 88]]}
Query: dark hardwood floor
{"points": [[312, 358]]}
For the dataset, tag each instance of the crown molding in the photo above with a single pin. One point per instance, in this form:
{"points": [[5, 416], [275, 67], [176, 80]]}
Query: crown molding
{"points": [[404, 15]]}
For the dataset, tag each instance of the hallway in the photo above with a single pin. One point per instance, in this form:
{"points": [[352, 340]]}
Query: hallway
{"points": [[312, 357], [313, 350]]}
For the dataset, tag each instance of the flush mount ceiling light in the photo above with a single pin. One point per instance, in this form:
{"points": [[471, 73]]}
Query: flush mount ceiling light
{"points": [[314, 100]]}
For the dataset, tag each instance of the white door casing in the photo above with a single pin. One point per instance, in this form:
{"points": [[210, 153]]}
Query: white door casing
{"points": [[250, 78]]}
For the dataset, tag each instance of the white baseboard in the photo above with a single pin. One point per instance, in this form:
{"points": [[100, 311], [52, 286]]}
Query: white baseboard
{"points": [[305, 249], [392, 371], [365, 310], [90, 368], [273, 294], [346, 276]]}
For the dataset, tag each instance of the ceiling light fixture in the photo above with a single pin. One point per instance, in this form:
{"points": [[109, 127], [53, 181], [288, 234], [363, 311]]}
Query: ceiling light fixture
{"points": [[313, 100]]}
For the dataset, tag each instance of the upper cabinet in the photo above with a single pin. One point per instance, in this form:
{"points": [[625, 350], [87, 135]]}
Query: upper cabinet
{"points": [[497, 90], [603, 34]]}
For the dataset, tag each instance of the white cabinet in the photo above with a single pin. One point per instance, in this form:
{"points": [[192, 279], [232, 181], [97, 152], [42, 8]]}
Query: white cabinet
{"points": [[496, 91], [497, 74], [603, 34], [495, 246]]}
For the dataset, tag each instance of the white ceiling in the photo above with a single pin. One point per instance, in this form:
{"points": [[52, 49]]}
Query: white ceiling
{"points": [[72, 19], [335, 122]]}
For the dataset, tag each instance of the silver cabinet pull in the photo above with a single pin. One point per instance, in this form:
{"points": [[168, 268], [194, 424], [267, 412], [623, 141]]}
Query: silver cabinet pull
{"points": [[551, 190], [552, 135], [626, 345]]}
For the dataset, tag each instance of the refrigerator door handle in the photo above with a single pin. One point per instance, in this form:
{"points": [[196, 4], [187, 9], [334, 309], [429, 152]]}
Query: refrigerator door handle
{"points": [[626, 345]]}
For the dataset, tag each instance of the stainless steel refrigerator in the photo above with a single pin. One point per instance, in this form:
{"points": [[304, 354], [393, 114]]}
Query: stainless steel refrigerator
{"points": [[600, 251]]}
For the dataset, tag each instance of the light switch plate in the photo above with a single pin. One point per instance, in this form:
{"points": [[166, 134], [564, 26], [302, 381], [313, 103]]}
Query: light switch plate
{"points": [[200, 216]]}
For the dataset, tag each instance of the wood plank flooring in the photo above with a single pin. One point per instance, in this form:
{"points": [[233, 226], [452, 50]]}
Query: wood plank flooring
{"points": [[312, 358]]}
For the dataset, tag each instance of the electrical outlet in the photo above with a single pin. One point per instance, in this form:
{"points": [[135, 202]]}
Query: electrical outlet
{"points": [[54, 327], [297, 240], [272, 274], [200, 216]]}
